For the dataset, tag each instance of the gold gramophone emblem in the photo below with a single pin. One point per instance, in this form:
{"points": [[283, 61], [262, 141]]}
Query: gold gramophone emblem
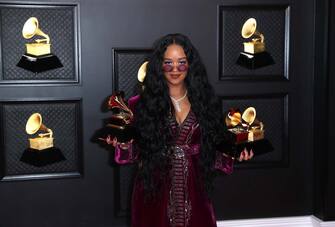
{"points": [[245, 126], [254, 126], [256, 45], [39, 46], [44, 140], [254, 54], [38, 56]]}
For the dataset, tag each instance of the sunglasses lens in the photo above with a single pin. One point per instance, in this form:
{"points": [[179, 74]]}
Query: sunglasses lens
{"points": [[167, 68], [182, 68]]}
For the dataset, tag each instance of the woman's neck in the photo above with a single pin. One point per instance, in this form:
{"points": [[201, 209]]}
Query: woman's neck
{"points": [[177, 91]]}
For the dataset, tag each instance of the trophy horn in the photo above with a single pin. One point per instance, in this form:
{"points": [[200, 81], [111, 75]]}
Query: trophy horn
{"points": [[249, 29], [34, 124], [31, 28], [233, 118], [249, 115], [254, 54]]}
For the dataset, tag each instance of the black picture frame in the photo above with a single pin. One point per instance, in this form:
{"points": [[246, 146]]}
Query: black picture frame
{"points": [[273, 21], [60, 22], [63, 116]]}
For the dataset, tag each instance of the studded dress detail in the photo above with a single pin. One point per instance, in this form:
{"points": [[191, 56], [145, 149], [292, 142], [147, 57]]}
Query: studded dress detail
{"points": [[180, 207]]}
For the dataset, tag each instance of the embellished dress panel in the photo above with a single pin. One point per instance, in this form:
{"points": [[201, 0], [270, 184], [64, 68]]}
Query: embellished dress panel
{"points": [[181, 200]]}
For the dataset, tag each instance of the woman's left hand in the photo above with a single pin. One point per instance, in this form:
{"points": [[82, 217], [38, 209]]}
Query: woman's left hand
{"points": [[245, 155]]}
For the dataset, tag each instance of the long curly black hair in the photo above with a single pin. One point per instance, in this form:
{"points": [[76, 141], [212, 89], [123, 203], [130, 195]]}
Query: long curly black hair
{"points": [[154, 108]]}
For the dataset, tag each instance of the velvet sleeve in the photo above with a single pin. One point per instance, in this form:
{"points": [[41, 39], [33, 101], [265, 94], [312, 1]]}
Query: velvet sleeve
{"points": [[225, 154], [224, 163], [125, 153]]}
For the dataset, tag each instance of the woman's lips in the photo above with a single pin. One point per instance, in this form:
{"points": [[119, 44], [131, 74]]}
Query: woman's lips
{"points": [[175, 76]]}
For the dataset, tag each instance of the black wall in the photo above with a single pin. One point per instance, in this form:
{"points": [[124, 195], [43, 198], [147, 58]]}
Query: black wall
{"points": [[324, 110], [296, 179], [330, 181]]}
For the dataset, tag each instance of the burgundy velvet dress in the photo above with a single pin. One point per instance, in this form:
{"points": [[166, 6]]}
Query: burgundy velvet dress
{"points": [[181, 200]]}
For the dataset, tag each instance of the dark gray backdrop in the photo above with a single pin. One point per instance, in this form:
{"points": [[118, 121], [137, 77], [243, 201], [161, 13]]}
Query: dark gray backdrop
{"points": [[285, 183]]}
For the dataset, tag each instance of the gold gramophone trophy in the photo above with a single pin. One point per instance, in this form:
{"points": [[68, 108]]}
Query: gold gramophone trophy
{"points": [[244, 127], [119, 124], [41, 149], [44, 140], [38, 56], [245, 131], [254, 54], [254, 126]]}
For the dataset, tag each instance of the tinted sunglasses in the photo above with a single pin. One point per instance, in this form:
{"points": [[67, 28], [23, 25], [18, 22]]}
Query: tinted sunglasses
{"points": [[180, 68]]}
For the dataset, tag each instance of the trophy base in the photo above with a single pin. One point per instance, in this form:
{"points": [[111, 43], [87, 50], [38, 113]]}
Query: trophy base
{"points": [[254, 47], [238, 135], [39, 64], [41, 143], [255, 134], [41, 158], [38, 49], [254, 61]]}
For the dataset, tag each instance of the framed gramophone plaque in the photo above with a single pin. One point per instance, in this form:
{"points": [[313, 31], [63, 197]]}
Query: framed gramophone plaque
{"points": [[40, 44], [253, 42], [40, 139]]}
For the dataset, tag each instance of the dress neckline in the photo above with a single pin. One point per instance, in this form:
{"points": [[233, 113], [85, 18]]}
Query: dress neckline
{"points": [[183, 122]]}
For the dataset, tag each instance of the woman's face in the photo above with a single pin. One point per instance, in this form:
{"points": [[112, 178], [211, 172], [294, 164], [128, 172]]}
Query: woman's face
{"points": [[175, 65]]}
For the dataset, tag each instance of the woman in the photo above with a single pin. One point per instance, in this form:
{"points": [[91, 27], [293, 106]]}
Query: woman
{"points": [[179, 142]]}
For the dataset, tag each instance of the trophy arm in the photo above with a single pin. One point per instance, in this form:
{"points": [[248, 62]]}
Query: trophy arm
{"points": [[49, 133], [261, 36], [47, 38]]}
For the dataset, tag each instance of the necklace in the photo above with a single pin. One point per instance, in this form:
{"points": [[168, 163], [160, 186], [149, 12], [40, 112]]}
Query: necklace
{"points": [[176, 102]]}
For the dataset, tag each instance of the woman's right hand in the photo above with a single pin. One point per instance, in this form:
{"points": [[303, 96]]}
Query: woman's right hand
{"points": [[111, 141], [114, 142]]}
